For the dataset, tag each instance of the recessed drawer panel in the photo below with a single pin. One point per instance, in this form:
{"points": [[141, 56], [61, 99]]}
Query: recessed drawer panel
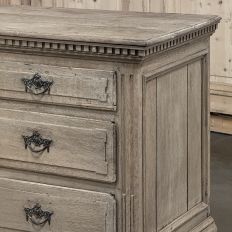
{"points": [[60, 145], [30, 207], [58, 85]]}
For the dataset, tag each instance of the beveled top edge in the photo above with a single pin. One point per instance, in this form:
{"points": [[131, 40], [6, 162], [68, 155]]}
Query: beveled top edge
{"points": [[17, 35], [98, 26], [76, 49]]}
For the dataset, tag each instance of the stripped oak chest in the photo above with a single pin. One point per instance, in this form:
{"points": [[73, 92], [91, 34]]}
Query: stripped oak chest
{"points": [[104, 121]]}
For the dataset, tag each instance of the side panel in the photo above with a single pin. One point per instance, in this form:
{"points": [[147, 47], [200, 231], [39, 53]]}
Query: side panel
{"points": [[194, 133], [171, 146], [175, 159]]}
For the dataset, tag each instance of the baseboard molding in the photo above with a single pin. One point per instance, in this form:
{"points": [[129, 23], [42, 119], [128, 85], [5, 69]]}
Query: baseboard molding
{"points": [[188, 220], [206, 226]]}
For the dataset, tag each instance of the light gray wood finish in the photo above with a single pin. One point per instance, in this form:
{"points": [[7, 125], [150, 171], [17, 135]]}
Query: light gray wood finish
{"points": [[171, 146], [150, 156], [207, 225], [188, 220], [135, 154], [81, 148], [71, 86], [194, 133], [74, 210], [109, 27]]}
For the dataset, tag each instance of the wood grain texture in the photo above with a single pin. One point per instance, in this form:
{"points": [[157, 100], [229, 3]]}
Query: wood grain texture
{"points": [[221, 123], [16, 2], [74, 210], [194, 134], [150, 157], [83, 87], [206, 129], [221, 45], [171, 146], [207, 225], [221, 93], [119, 28], [25, 2], [189, 220], [4, 2], [132, 146], [81, 148]]}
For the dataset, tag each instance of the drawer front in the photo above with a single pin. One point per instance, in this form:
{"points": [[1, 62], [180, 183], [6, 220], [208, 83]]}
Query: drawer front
{"points": [[60, 145], [58, 85], [24, 205]]}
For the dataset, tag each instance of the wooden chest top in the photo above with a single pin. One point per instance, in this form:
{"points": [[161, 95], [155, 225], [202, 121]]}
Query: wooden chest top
{"points": [[130, 34], [131, 28]]}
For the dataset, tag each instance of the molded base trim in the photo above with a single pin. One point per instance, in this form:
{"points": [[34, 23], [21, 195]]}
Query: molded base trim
{"points": [[195, 220], [206, 226]]}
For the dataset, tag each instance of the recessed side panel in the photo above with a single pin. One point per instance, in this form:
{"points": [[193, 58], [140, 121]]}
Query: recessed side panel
{"points": [[171, 146], [194, 133]]}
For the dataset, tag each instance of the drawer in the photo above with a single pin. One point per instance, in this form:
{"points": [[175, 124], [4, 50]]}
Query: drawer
{"points": [[61, 145], [57, 209], [58, 85]]}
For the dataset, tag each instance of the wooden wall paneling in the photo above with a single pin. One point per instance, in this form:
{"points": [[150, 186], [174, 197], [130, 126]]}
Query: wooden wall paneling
{"points": [[125, 4], [4, 2], [172, 6], [172, 159], [58, 3], [106, 4], [221, 58], [37, 2], [156, 6], [79, 4], [15, 2], [25, 2], [194, 134], [49, 3], [139, 5], [221, 47]]}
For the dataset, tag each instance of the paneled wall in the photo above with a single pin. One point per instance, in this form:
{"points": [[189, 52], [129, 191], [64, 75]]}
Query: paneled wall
{"points": [[221, 42]]}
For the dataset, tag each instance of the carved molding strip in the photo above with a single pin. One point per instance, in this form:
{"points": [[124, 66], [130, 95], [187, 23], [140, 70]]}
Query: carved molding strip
{"points": [[76, 48]]}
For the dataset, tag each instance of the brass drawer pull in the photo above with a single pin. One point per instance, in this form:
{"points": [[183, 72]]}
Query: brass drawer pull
{"points": [[36, 85], [37, 140], [37, 215]]}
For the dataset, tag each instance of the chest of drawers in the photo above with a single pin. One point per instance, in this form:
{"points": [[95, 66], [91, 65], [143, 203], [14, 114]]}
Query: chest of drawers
{"points": [[104, 121]]}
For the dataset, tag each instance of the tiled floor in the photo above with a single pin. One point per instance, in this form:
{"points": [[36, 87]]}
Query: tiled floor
{"points": [[221, 181]]}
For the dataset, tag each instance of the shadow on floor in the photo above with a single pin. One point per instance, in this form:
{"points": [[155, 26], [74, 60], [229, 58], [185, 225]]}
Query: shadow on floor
{"points": [[221, 181]]}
